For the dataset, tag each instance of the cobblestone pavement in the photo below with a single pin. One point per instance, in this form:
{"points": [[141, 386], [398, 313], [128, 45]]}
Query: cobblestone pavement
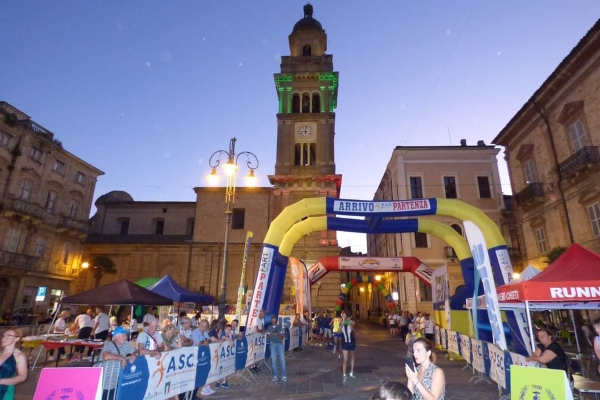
{"points": [[316, 373]]}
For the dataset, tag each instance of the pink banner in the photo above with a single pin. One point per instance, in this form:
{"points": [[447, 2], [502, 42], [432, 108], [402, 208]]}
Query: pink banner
{"points": [[69, 383]]}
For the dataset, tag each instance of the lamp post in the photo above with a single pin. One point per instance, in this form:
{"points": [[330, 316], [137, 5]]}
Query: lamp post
{"points": [[230, 168]]}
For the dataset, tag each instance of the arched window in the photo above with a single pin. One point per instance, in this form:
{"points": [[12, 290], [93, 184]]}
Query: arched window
{"points": [[306, 50], [305, 154], [316, 103], [296, 103], [457, 228], [306, 103]]}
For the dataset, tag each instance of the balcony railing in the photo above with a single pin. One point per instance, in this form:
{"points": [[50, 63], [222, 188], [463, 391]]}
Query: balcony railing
{"points": [[32, 210], [531, 192], [17, 260], [72, 224], [580, 160]]}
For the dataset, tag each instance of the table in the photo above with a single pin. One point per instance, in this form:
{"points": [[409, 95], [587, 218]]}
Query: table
{"points": [[587, 387], [53, 345]]}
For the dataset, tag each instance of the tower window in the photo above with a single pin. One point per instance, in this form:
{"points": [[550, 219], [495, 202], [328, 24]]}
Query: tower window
{"points": [[237, 218], [124, 228], [296, 103], [316, 103], [306, 50], [159, 226], [305, 154], [305, 103]]}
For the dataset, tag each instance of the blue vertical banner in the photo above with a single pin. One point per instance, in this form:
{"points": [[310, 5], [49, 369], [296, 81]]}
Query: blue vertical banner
{"points": [[203, 365], [487, 361], [241, 353], [286, 342]]}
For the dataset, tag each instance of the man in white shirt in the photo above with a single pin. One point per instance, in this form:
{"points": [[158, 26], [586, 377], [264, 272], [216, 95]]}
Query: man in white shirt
{"points": [[100, 328], [150, 342], [151, 314]]}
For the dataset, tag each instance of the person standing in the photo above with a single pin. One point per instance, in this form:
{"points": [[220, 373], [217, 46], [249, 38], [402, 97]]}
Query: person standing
{"points": [[429, 328], [100, 328], [348, 345], [258, 326], [404, 325], [60, 325], [151, 314], [427, 381], [337, 335], [84, 324], [13, 363], [275, 333]]}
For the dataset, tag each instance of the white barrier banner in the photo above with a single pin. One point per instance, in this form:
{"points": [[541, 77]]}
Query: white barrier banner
{"points": [[497, 367], [453, 342], [257, 344], [465, 348], [518, 359], [222, 361], [477, 351], [438, 336], [294, 337]]}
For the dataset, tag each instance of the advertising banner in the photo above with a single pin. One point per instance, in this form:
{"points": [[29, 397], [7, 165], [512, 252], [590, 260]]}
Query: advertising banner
{"points": [[151, 378], [69, 383], [222, 361], [539, 384], [453, 342], [439, 286], [497, 365], [465, 348], [477, 351], [511, 358], [438, 336], [294, 341], [257, 343]]}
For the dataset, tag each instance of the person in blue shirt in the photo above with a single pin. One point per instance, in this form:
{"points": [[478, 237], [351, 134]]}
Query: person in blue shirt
{"points": [[276, 336]]}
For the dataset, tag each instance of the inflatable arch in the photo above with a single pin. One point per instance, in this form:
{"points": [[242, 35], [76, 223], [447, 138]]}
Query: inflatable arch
{"points": [[366, 279], [490, 254]]}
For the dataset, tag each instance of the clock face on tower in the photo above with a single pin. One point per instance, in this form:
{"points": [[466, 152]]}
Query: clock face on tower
{"points": [[305, 131]]}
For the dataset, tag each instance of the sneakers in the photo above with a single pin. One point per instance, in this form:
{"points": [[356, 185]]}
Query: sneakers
{"points": [[352, 375], [284, 379], [274, 379], [206, 391], [63, 357], [225, 385], [87, 358], [217, 384], [74, 359], [51, 358], [345, 379]]}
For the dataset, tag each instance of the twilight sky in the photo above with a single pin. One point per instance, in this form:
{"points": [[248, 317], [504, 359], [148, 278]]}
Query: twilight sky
{"points": [[146, 90]]}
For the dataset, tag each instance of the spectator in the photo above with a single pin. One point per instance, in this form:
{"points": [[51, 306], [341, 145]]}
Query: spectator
{"points": [[275, 333], [83, 326], [151, 314], [185, 331], [120, 350], [392, 391], [13, 363], [170, 337], [201, 337], [428, 380], [226, 336], [59, 327], [429, 328], [549, 352], [149, 342]]}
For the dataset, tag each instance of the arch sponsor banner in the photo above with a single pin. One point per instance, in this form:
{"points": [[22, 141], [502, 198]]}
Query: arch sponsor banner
{"points": [[151, 378]]}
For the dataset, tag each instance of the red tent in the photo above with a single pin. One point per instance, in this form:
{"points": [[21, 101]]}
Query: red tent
{"points": [[573, 277]]}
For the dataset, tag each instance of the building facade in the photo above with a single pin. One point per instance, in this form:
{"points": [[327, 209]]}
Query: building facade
{"points": [[186, 240], [45, 200], [466, 173], [551, 148]]}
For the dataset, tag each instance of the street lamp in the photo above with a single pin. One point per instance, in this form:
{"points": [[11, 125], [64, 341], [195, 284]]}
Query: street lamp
{"points": [[230, 168]]}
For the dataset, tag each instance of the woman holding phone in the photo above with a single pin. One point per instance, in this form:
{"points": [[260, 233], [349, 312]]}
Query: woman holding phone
{"points": [[427, 381]]}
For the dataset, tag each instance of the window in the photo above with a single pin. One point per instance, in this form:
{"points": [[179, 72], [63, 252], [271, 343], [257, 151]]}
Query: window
{"points": [[66, 253], [40, 247], [5, 139], [73, 208], [540, 236], [530, 171], [421, 240], [416, 187], [577, 136], [316, 103], [295, 103], [60, 167], [26, 190], [159, 226], [80, 177], [594, 213], [237, 220], [306, 51], [12, 240], [424, 291], [305, 103], [305, 154], [50, 200], [450, 187], [35, 153], [124, 229], [485, 191]]}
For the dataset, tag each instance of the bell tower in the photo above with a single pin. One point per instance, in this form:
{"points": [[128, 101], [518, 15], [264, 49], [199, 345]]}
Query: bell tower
{"points": [[307, 88]]}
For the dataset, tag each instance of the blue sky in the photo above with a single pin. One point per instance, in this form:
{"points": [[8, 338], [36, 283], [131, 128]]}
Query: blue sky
{"points": [[147, 90]]}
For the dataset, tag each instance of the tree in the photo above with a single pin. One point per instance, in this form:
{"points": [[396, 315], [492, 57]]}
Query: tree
{"points": [[100, 266], [554, 254]]}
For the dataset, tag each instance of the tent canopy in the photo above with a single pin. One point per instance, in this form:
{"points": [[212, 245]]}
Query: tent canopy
{"points": [[169, 288], [573, 277], [120, 293]]}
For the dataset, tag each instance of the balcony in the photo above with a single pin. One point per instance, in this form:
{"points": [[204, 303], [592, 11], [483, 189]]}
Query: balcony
{"points": [[17, 260], [65, 223], [29, 210], [579, 161], [532, 194]]}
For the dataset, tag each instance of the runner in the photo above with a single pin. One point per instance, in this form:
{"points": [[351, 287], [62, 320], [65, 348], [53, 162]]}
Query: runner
{"points": [[337, 335], [348, 344], [392, 324]]}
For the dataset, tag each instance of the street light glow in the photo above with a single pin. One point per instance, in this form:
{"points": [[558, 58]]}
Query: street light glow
{"points": [[213, 178], [251, 179], [85, 265], [362, 289], [378, 277]]}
